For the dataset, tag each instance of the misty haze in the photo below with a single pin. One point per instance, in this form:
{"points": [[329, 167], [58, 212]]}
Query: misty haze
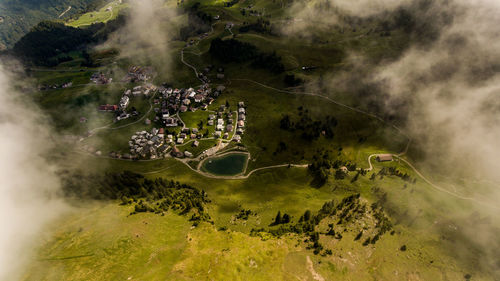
{"points": [[250, 140]]}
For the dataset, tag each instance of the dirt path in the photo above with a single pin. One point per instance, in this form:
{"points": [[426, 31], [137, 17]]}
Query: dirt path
{"points": [[110, 14], [189, 65], [63, 13], [310, 268], [370, 162]]}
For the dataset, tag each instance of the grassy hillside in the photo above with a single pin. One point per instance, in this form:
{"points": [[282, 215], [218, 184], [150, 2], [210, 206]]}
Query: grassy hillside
{"points": [[107, 12], [395, 226], [102, 241]]}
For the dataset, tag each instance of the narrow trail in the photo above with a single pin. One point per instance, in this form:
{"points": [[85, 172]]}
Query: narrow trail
{"points": [[190, 66], [110, 14], [231, 31], [370, 162], [65, 11], [328, 99], [310, 267], [436, 187]]}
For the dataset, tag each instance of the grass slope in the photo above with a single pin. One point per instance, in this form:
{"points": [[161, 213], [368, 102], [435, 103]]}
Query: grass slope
{"points": [[108, 12]]}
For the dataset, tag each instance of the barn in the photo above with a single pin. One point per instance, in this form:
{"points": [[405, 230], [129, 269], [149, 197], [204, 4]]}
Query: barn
{"points": [[384, 157]]}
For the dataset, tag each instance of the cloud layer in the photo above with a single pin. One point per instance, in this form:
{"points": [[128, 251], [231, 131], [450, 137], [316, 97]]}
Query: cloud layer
{"points": [[444, 87], [453, 90], [29, 186], [147, 34]]}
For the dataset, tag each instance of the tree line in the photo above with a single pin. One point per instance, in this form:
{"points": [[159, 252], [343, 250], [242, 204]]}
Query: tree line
{"points": [[48, 43], [146, 195], [234, 51], [309, 128]]}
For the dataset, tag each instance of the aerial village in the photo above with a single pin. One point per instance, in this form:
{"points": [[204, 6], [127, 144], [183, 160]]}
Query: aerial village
{"points": [[168, 132]]}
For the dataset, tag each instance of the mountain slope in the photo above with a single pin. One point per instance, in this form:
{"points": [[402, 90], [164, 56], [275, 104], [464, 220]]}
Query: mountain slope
{"points": [[18, 16]]}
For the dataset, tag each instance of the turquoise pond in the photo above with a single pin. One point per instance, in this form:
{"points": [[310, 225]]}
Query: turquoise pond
{"points": [[227, 165]]}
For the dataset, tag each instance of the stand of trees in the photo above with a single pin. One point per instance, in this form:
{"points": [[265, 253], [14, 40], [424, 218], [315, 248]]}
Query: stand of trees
{"points": [[308, 128], [157, 196], [48, 42], [21, 15], [232, 50], [231, 3], [347, 211], [392, 171], [281, 219], [244, 214], [261, 26], [291, 81], [198, 22]]}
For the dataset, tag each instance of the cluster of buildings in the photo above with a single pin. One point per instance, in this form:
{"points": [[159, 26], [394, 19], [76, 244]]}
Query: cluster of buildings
{"points": [[203, 75], [240, 125], [145, 90], [55, 86], [138, 74], [150, 145], [121, 108], [223, 128], [155, 144], [171, 101], [186, 134], [167, 103], [100, 79]]}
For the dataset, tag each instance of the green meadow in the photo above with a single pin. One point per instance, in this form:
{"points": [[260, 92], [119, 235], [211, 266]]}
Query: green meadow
{"points": [[101, 240]]}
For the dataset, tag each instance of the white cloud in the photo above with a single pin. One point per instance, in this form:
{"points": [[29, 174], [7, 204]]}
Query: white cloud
{"points": [[28, 183]]}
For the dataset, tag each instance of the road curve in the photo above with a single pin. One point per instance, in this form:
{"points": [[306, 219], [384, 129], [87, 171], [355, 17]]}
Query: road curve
{"points": [[445, 190]]}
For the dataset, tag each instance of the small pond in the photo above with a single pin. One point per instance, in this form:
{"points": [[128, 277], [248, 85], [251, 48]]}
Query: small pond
{"points": [[227, 165]]}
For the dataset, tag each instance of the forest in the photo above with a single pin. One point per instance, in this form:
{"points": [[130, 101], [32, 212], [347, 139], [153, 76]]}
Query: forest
{"points": [[21, 15]]}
